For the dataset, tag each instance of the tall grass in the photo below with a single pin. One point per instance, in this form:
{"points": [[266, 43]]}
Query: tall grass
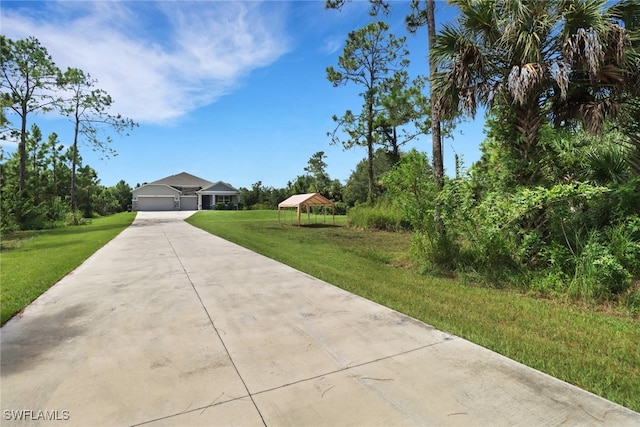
{"points": [[379, 217]]}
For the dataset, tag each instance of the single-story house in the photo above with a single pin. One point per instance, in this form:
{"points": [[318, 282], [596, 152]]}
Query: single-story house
{"points": [[183, 192]]}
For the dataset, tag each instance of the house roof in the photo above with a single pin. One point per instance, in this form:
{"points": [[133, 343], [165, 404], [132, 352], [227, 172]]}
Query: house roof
{"points": [[220, 187], [310, 199], [138, 189], [183, 179]]}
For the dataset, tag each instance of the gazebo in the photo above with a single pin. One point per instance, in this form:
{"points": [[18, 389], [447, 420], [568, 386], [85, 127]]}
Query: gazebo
{"points": [[306, 200]]}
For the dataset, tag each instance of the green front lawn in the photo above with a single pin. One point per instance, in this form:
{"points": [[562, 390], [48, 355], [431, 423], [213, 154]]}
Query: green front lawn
{"points": [[32, 261], [597, 351]]}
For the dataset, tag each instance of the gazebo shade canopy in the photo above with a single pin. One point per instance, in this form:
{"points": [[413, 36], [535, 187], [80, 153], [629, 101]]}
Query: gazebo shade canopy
{"points": [[307, 200], [310, 199]]}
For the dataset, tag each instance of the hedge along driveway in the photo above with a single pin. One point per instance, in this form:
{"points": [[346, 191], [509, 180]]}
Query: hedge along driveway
{"points": [[32, 261]]}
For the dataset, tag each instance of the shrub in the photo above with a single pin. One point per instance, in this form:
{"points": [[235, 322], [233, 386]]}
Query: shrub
{"points": [[75, 218], [625, 244], [598, 274], [434, 253], [551, 282], [341, 208]]}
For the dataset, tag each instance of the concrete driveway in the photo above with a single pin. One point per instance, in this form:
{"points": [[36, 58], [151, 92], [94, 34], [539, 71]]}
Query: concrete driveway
{"points": [[168, 325]]}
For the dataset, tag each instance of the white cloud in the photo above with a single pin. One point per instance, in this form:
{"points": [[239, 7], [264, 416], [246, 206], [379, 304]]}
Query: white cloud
{"points": [[332, 44], [158, 60]]}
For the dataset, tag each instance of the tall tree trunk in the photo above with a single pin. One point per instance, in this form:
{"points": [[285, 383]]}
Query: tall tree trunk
{"points": [[74, 162], [436, 137], [370, 151], [529, 121], [22, 150], [395, 150]]}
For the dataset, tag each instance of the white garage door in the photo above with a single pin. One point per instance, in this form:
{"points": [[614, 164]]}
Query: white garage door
{"points": [[189, 203], [155, 203]]}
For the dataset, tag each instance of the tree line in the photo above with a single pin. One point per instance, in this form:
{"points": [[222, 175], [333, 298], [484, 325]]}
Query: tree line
{"points": [[314, 180], [41, 182]]}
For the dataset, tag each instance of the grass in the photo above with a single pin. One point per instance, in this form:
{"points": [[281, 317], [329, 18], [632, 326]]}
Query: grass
{"points": [[594, 350], [32, 261]]}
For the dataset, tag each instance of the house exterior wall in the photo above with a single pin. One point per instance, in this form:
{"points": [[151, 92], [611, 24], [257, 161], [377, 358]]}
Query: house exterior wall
{"points": [[189, 203], [162, 192]]}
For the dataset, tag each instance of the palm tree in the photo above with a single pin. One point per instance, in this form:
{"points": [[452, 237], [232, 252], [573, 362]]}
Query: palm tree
{"points": [[561, 61]]}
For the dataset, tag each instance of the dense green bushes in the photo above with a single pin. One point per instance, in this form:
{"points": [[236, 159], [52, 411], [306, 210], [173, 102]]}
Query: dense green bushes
{"points": [[45, 201]]}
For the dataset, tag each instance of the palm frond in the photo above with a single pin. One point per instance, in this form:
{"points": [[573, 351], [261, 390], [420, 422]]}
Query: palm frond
{"points": [[594, 114], [522, 80], [583, 49], [559, 72], [607, 164]]}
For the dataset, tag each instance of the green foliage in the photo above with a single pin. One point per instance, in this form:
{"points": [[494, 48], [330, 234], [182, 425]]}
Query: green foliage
{"points": [[412, 188], [341, 208], [320, 181], [568, 237], [221, 206], [45, 201], [262, 197], [624, 244], [551, 282], [356, 190], [598, 274], [380, 217], [74, 218], [541, 229], [122, 194]]}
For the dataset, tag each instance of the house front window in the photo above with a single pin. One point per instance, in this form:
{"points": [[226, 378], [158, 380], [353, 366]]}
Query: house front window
{"points": [[223, 199]]}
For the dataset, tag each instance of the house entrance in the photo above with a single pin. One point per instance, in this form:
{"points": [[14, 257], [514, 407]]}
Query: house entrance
{"points": [[207, 202]]}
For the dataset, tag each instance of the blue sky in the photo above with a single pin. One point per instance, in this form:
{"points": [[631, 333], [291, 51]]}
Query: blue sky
{"points": [[225, 90]]}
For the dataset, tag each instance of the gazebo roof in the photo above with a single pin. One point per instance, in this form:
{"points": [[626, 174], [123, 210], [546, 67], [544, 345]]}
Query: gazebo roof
{"points": [[310, 199]]}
